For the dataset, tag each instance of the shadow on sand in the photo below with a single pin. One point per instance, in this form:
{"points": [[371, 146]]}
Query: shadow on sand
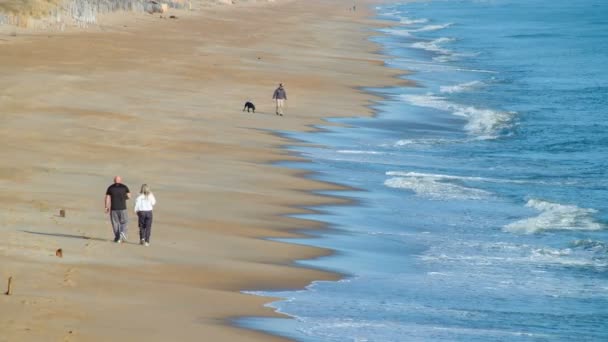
{"points": [[72, 236]]}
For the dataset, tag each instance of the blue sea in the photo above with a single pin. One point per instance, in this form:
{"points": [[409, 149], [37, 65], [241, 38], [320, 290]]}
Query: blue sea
{"points": [[481, 193]]}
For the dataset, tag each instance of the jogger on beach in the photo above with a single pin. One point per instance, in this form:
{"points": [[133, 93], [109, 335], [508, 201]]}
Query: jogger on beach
{"points": [[115, 202], [144, 204]]}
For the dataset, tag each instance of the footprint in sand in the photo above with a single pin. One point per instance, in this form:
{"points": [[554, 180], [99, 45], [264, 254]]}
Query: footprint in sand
{"points": [[67, 277], [92, 244]]}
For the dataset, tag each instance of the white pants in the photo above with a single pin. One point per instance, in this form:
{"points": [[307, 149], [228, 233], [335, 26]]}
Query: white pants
{"points": [[280, 104]]}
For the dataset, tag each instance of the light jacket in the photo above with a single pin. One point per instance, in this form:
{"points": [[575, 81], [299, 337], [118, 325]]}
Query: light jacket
{"points": [[145, 204]]}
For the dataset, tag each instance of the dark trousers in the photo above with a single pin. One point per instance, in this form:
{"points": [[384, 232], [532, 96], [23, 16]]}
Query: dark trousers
{"points": [[145, 224]]}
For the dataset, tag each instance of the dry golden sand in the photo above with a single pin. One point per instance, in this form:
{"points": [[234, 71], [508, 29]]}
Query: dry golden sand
{"points": [[159, 101]]}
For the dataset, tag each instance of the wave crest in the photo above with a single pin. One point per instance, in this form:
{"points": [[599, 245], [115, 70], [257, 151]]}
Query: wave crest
{"points": [[485, 123], [436, 187], [396, 32], [435, 27], [358, 152], [434, 45], [409, 21], [555, 216], [462, 87]]}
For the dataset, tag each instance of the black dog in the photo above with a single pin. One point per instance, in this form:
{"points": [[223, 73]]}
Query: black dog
{"points": [[249, 105]]}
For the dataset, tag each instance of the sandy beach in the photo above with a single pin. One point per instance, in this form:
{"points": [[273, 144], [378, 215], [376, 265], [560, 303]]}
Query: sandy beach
{"points": [[159, 101]]}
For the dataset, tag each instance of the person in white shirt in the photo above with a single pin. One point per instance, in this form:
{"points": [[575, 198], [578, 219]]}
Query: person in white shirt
{"points": [[143, 208]]}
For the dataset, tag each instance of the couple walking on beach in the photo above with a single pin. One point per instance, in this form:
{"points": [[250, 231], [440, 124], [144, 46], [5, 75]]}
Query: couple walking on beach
{"points": [[115, 202]]}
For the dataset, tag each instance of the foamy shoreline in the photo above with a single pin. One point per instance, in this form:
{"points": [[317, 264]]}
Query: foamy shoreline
{"points": [[79, 108]]}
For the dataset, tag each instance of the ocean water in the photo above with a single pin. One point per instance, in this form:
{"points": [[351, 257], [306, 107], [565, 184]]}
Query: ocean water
{"points": [[482, 193]]}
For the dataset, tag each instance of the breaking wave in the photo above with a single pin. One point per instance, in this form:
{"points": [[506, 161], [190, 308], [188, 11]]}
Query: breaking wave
{"points": [[434, 45], [436, 187], [358, 152], [425, 142], [555, 216], [409, 21], [484, 123], [462, 87], [396, 32], [435, 27], [450, 177]]}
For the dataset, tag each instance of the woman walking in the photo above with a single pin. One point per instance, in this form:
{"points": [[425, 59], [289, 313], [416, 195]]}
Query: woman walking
{"points": [[143, 208]]}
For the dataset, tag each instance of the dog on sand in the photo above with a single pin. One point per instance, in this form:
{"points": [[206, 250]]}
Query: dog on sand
{"points": [[249, 106]]}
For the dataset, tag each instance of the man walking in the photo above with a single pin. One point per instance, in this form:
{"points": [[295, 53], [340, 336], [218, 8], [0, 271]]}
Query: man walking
{"points": [[116, 205], [280, 96]]}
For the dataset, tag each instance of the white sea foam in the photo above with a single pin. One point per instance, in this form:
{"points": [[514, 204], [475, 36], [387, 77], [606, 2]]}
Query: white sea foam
{"points": [[478, 70], [410, 21], [462, 87], [445, 58], [424, 141], [555, 216], [591, 245], [501, 254], [452, 56], [413, 64], [358, 152], [396, 32], [432, 27], [564, 256], [484, 123], [430, 46], [359, 330], [441, 177], [433, 186], [434, 45], [392, 14]]}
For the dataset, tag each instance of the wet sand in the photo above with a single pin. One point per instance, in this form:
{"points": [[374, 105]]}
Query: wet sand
{"points": [[160, 101]]}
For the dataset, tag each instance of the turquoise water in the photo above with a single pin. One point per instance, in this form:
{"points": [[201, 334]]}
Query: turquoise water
{"points": [[482, 210]]}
